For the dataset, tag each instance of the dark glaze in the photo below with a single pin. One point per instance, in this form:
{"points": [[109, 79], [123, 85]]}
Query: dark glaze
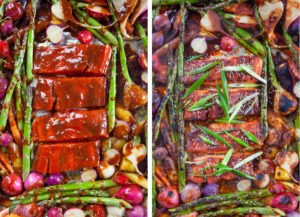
{"points": [[70, 126], [195, 144], [72, 60], [68, 93], [52, 157]]}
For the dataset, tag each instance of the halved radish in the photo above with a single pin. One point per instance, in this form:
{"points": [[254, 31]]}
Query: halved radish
{"points": [[55, 33], [74, 212], [97, 12], [143, 60]]}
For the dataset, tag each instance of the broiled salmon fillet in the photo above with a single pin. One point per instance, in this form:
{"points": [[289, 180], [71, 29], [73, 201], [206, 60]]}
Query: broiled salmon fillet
{"points": [[84, 59], [61, 157], [212, 160], [215, 111], [68, 93], [70, 126], [215, 74], [193, 143]]}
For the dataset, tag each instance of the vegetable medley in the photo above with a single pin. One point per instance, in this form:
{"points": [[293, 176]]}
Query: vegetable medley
{"points": [[74, 108], [225, 108]]}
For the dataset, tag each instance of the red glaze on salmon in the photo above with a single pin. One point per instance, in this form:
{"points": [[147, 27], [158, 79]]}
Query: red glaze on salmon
{"points": [[70, 126], [61, 157]]}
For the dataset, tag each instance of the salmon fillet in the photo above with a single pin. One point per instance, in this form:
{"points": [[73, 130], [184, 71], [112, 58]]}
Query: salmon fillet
{"points": [[70, 126], [211, 160], [85, 59], [61, 157], [215, 74], [215, 111], [194, 143], [67, 93]]}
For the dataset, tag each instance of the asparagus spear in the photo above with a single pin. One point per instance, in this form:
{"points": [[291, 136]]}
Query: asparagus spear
{"points": [[2, 7], [27, 146], [91, 21], [290, 44], [66, 187], [243, 195], [112, 92], [204, 207], [172, 2], [19, 110], [143, 35], [93, 31], [19, 58], [181, 89], [108, 201], [245, 210], [48, 196], [29, 64]]}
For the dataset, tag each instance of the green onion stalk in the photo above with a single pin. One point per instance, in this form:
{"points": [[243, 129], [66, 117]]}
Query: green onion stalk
{"points": [[143, 35], [290, 44]]}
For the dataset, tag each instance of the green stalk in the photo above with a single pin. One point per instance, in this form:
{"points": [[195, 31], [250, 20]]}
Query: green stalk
{"points": [[172, 2], [143, 35], [30, 44], [290, 44], [19, 110], [112, 92], [204, 207], [181, 89], [255, 43], [108, 201], [122, 54], [27, 146], [66, 187], [246, 44], [153, 189], [204, 68], [48, 196], [93, 31], [245, 210], [91, 21], [2, 7], [243, 195], [19, 59]]}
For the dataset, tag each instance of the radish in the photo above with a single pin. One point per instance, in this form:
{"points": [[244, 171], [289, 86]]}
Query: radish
{"points": [[85, 37], [55, 34], [74, 212], [88, 175], [97, 12], [143, 60]]}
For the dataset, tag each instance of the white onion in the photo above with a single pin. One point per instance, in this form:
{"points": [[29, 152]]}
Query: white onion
{"points": [[88, 175], [55, 33], [199, 45], [244, 185], [113, 211], [112, 156], [297, 89], [135, 153], [57, 11], [105, 170]]}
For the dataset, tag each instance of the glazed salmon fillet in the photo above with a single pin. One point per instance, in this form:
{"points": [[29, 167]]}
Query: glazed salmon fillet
{"points": [[70, 126], [211, 160], [215, 111], [51, 158], [195, 144], [67, 93], [85, 59]]}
